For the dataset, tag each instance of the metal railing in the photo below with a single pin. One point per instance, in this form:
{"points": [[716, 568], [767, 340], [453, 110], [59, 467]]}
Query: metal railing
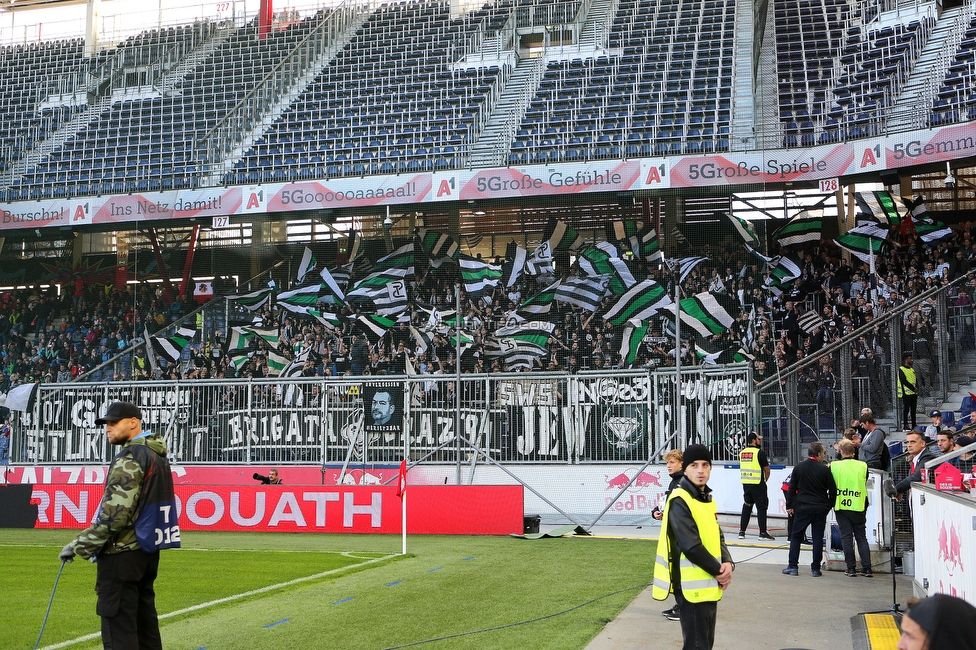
{"points": [[620, 417]]}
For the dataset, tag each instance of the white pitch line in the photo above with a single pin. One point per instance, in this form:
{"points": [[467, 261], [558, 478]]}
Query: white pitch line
{"points": [[220, 601]]}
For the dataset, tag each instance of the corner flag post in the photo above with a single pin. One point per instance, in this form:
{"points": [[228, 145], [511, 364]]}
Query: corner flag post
{"points": [[402, 493]]}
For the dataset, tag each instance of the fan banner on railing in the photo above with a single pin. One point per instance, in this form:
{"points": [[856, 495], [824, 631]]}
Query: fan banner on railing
{"points": [[729, 169], [620, 416]]}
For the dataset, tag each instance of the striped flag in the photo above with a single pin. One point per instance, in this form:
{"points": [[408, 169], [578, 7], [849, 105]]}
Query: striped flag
{"points": [[540, 261], [438, 246], [646, 246], [878, 207], [714, 353], [473, 241], [640, 302], [513, 354], [423, 338], [276, 362], [603, 259], [268, 335], [803, 229], [618, 231], [809, 321], [401, 258], [632, 337], [685, 266], [386, 290], [540, 303], [534, 332], [330, 320], [238, 348], [784, 268], [300, 299], [561, 237], [171, 347], [374, 326], [707, 313], [932, 232], [514, 265], [478, 277], [307, 263], [331, 284], [678, 237], [862, 240], [746, 230], [586, 293], [252, 301]]}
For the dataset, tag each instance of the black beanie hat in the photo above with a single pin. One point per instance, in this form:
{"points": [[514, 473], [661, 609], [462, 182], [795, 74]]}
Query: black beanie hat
{"points": [[693, 453]]}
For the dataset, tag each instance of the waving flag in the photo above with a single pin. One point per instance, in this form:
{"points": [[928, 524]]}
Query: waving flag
{"points": [[586, 293], [386, 290], [515, 258], [746, 230], [171, 347], [707, 313], [332, 285], [252, 301], [439, 247], [540, 261], [374, 327], [640, 302], [307, 263], [603, 259], [633, 336], [877, 207], [300, 299], [861, 241], [540, 303], [561, 237], [685, 266], [802, 230], [478, 277]]}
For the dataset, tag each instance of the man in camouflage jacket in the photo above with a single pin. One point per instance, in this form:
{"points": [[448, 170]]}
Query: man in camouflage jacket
{"points": [[127, 569]]}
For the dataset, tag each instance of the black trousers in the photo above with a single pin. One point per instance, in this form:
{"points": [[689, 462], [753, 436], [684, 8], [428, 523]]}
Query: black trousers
{"points": [[127, 601], [908, 407], [818, 521], [697, 622], [754, 495], [852, 530]]}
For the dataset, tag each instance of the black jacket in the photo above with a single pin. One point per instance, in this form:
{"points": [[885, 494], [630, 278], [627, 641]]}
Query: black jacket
{"points": [[675, 480], [812, 487], [915, 477], [683, 534]]}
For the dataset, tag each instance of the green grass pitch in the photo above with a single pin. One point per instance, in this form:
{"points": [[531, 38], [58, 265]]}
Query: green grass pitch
{"points": [[370, 597]]}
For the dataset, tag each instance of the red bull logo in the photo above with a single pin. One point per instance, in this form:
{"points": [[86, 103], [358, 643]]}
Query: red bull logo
{"points": [[950, 547], [642, 480]]}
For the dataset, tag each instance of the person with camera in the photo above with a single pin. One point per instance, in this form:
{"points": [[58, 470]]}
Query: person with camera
{"points": [[271, 479]]}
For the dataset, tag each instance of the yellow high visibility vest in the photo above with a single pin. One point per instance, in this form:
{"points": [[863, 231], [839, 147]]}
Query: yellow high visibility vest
{"points": [[749, 469], [851, 477], [910, 377], [697, 585]]}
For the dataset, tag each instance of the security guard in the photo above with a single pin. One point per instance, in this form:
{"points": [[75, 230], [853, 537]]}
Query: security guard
{"points": [[692, 559], [850, 507], [754, 471], [908, 392]]}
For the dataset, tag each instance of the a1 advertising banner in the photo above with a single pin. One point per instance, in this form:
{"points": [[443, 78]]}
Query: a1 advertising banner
{"points": [[764, 167], [729, 169], [460, 510], [542, 180], [935, 145]]}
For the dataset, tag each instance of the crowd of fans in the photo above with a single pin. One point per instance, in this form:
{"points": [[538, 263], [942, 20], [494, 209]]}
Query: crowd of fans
{"points": [[54, 339]]}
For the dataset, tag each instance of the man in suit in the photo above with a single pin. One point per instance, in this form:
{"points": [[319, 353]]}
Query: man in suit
{"points": [[918, 455]]}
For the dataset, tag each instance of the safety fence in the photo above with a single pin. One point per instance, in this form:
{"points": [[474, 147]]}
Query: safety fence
{"points": [[620, 417]]}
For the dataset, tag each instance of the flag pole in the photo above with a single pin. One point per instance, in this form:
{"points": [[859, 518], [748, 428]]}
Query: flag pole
{"points": [[403, 521], [457, 381], [679, 419]]}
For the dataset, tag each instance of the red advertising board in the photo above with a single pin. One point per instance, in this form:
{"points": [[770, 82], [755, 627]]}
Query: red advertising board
{"points": [[437, 510]]}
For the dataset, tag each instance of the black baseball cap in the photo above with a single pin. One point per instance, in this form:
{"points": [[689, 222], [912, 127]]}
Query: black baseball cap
{"points": [[936, 413], [119, 411]]}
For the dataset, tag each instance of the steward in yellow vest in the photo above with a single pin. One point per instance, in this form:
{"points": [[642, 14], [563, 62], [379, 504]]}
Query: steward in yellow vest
{"points": [[908, 392], [850, 507], [692, 559], [754, 472]]}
